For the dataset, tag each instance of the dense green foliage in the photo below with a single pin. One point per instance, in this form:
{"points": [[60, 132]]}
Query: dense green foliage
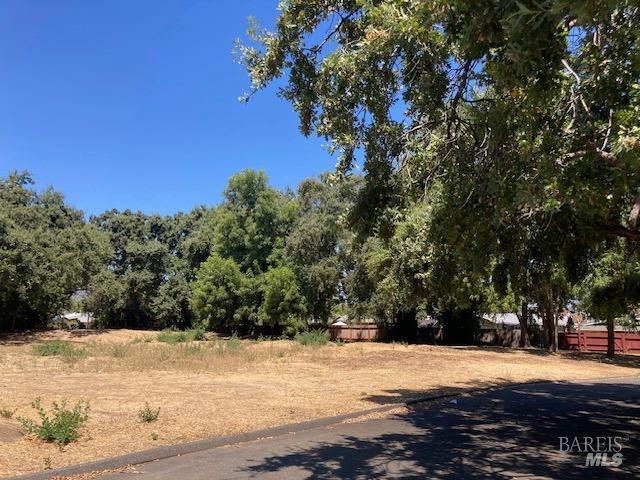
{"points": [[282, 303], [146, 284], [217, 292], [262, 259], [61, 425], [47, 252], [503, 136]]}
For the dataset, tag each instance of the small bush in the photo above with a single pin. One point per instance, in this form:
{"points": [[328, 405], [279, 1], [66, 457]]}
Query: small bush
{"points": [[148, 414], [313, 337], [60, 426], [234, 342], [198, 334], [168, 336], [65, 350], [294, 326], [6, 413]]}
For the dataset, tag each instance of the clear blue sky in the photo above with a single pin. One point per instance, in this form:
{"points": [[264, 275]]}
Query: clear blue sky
{"points": [[134, 103]]}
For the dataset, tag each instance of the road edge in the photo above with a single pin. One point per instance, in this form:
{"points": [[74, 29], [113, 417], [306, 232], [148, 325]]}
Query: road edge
{"points": [[168, 451]]}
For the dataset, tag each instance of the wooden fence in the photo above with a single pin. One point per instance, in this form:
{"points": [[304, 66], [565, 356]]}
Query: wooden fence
{"points": [[596, 341], [358, 333]]}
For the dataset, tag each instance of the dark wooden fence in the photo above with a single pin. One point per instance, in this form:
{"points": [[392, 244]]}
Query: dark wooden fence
{"points": [[596, 341], [358, 333]]}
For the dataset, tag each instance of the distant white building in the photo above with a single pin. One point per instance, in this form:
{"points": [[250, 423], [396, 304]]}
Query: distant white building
{"points": [[84, 318], [343, 320], [510, 319]]}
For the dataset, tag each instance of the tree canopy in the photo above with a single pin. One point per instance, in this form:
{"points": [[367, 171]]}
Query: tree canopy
{"points": [[47, 251], [515, 123]]}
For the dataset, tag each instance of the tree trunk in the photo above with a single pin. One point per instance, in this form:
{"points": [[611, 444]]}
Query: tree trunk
{"points": [[611, 338], [554, 336], [550, 329], [550, 320], [407, 325], [523, 318]]}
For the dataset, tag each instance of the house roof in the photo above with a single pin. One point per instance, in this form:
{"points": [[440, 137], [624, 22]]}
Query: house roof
{"points": [[511, 319]]}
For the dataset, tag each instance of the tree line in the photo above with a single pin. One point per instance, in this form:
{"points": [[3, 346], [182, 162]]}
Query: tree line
{"points": [[500, 151], [262, 258], [262, 261]]}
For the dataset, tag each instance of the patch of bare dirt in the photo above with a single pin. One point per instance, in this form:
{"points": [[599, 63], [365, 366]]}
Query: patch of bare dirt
{"points": [[220, 387]]}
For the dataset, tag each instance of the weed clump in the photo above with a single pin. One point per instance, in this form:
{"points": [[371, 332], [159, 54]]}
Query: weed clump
{"points": [[6, 413], [313, 337], [148, 414], [169, 336], [58, 348], [60, 426]]}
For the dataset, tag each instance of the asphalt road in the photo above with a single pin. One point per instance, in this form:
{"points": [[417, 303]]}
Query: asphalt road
{"points": [[507, 433]]}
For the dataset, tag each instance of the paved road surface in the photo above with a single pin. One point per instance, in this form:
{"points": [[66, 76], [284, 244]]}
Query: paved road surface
{"points": [[507, 433]]}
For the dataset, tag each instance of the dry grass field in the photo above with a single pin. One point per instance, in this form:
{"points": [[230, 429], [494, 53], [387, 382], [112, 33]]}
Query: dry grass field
{"points": [[218, 386]]}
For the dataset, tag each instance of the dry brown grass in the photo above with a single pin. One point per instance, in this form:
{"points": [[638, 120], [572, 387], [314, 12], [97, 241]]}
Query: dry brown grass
{"points": [[218, 387]]}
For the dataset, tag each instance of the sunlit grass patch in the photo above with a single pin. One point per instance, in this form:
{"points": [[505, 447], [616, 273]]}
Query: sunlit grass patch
{"points": [[57, 348], [169, 336]]}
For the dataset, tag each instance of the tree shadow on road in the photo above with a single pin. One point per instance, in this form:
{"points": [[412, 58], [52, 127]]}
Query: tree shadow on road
{"points": [[496, 435]]}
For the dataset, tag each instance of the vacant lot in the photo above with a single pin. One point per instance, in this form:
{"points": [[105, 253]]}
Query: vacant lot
{"points": [[218, 386]]}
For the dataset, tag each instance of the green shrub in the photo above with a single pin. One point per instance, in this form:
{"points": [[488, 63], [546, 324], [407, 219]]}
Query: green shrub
{"points": [[313, 337], [294, 326], [148, 414], [60, 426], [198, 333], [233, 343], [168, 336], [6, 413], [65, 350]]}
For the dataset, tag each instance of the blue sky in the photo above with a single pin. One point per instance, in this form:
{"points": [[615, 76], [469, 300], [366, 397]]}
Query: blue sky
{"points": [[134, 103]]}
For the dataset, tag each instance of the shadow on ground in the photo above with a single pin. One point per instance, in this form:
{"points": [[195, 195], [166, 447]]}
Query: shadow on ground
{"points": [[622, 360], [35, 336], [506, 433]]}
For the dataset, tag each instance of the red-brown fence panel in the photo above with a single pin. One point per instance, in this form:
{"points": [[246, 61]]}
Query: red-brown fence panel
{"points": [[597, 340], [358, 333]]}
